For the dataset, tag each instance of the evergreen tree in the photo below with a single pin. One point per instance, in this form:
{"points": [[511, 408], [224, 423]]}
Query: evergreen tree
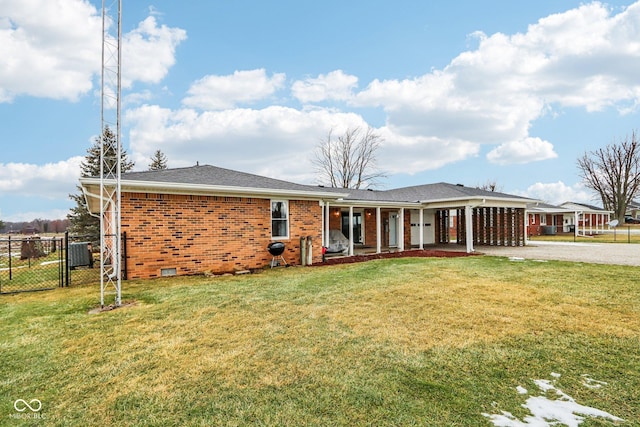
{"points": [[158, 161], [81, 222]]}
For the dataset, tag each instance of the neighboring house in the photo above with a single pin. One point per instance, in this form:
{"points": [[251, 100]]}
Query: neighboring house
{"points": [[204, 218], [543, 218], [588, 218], [546, 219], [633, 210]]}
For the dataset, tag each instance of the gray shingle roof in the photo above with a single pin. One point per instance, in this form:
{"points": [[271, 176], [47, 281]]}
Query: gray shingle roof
{"points": [[213, 175]]}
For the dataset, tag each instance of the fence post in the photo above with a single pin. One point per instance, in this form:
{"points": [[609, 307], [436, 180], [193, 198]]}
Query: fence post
{"points": [[66, 258], [10, 278], [60, 264]]}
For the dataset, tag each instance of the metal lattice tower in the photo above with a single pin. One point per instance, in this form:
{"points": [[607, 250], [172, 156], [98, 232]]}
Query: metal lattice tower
{"points": [[110, 154]]}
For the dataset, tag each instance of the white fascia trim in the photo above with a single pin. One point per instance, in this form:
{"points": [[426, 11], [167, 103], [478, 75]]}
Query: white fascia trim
{"points": [[203, 189], [369, 204], [459, 201]]}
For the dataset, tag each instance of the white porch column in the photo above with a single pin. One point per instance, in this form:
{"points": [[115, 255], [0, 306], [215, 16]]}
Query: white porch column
{"points": [[378, 231], [401, 228], [468, 222], [322, 220], [421, 218], [325, 224], [350, 230]]}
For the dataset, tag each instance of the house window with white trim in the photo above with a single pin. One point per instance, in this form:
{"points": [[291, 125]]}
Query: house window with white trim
{"points": [[279, 219]]}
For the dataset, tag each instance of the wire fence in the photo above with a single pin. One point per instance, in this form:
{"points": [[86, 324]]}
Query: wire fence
{"points": [[35, 263], [31, 264]]}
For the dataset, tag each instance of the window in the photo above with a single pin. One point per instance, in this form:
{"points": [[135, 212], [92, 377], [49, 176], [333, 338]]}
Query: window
{"points": [[279, 219]]}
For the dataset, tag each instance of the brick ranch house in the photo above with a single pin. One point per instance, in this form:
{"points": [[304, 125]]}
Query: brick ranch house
{"points": [[569, 217], [204, 218]]}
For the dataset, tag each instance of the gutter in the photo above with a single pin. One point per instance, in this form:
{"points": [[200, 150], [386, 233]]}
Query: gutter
{"points": [[179, 188]]}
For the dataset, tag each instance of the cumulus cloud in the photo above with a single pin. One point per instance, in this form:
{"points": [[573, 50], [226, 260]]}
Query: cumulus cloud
{"points": [[525, 151], [48, 49], [558, 192], [242, 87], [275, 141], [335, 85], [52, 49], [52, 180], [488, 96], [149, 51], [586, 57]]}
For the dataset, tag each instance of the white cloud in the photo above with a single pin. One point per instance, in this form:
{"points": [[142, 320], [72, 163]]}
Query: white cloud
{"points": [[275, 141], [52, 180], [558, 192], [586, 57], [242, 87], [335, 85], [48, 49], [52, 49], [525, 151], [149, 51]]}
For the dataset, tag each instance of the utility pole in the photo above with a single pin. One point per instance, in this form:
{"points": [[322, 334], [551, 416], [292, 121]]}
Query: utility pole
{"points": [[110, 168]]}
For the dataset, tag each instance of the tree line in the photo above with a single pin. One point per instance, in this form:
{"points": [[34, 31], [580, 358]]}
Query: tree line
{"points": [[37, 226]]}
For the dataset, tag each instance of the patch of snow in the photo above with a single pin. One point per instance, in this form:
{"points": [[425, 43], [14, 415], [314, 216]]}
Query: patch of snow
{"points": [[516, 258], [591, 383], [547, 412]]}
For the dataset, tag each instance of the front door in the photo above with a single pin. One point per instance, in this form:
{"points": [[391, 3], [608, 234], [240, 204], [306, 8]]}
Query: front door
{"points": [[393, 230]]}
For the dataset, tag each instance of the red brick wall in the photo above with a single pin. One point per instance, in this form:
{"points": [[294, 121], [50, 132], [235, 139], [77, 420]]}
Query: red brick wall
{"points": [[335, 219], [194, 234], [370, 227]]}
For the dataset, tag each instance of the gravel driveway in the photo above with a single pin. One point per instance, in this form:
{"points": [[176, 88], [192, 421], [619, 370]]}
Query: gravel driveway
{"points": [[599, 253]]}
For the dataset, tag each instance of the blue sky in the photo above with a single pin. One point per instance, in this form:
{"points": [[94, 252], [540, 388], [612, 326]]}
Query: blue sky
{"points": [[462, 91]]}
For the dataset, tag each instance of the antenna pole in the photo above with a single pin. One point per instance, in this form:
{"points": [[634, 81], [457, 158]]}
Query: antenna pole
{"points": [[110, 154]]}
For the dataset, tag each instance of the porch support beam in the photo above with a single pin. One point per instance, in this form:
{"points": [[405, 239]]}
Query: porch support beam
{"points": [[350, 230], [468, 213], [378, 230], [401, 228], [326, 224], [421, 219]]}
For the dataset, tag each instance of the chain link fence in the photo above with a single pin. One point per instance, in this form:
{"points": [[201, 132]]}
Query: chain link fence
{"points": [[31, 263], [37, 263]]}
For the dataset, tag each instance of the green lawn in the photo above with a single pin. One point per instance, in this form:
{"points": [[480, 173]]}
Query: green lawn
{"points": [[622, 234], [413, 341]]}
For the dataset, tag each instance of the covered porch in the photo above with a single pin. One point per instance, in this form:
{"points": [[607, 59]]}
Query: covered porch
{"points": [[391, 227]]}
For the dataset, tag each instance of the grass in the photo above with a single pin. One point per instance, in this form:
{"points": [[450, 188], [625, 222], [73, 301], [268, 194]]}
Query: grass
{"points": [[407, 341], [30, 273], [622, 234]]}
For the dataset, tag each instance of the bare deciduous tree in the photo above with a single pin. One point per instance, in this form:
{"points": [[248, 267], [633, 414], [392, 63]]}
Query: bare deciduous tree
{"points": [[490, 186], [349, 160], [613, 173]]}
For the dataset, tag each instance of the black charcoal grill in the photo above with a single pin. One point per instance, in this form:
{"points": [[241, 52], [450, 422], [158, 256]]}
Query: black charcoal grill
{"points": [[276, 250]]}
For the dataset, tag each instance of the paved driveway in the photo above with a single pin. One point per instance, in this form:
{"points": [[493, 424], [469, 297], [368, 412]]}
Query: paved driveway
{"points": [[600, 253]]}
